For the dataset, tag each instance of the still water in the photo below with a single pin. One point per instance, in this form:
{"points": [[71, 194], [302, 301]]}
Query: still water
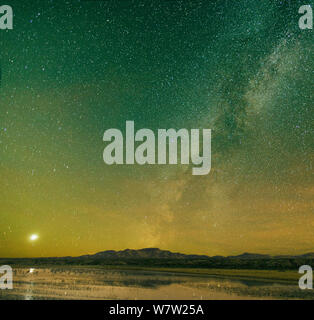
{"points": [[97, 283]]}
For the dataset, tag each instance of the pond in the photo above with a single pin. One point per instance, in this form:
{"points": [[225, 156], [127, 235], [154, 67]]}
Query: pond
{"points": [[102, 283]]}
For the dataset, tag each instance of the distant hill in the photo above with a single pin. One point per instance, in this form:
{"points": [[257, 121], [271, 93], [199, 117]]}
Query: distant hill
{"points": [[247, 255], [156, 253], [309, 255], [146, 253], [155, 257]]}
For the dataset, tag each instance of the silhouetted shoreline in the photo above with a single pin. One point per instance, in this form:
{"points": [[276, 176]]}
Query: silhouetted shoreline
{"points": [[154, 257]]}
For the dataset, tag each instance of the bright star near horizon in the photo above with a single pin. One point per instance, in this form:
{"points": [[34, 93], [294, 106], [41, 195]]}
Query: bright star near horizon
{"points": [[33, 237]]}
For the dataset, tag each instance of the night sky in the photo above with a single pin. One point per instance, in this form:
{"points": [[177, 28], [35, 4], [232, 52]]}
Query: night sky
{"points": [[73, 69]]}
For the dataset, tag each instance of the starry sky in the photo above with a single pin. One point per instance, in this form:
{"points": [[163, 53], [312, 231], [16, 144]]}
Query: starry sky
{"points": [[72, 69]]}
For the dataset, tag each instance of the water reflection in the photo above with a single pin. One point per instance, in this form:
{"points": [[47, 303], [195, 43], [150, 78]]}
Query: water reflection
{"points": [[98, 283]]}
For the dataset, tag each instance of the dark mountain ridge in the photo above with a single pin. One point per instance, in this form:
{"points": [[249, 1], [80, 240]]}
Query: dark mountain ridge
{"points": [[155, 257], [146, 253]]}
